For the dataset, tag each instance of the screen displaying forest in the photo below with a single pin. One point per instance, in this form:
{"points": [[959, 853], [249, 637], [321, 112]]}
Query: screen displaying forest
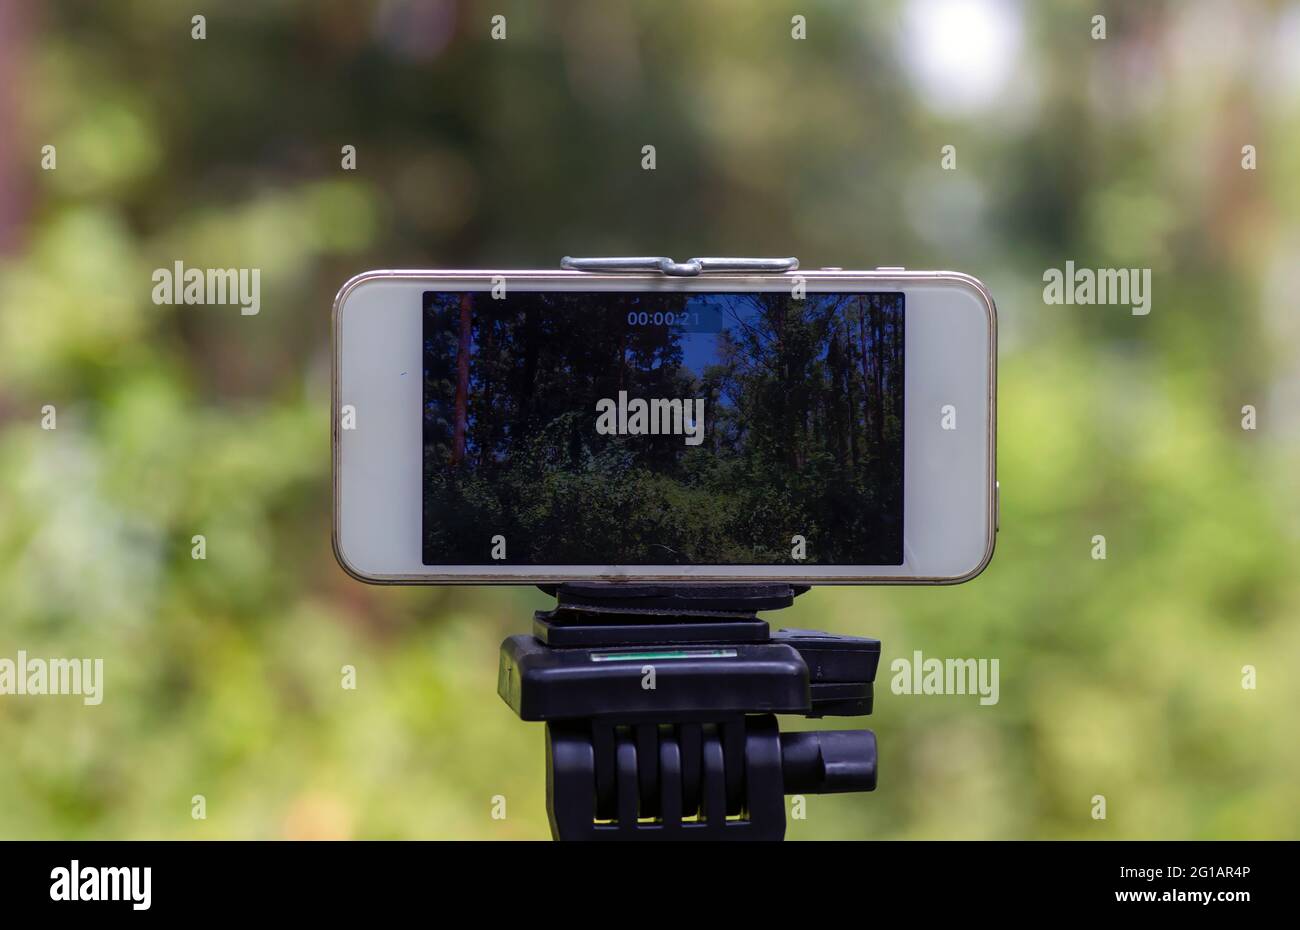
{"points": [[663, 429]]}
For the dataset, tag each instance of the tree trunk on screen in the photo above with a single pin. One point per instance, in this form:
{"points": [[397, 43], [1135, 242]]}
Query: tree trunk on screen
{"points": [[867, 380], [487, 431], [462, 383], [877, 361]]}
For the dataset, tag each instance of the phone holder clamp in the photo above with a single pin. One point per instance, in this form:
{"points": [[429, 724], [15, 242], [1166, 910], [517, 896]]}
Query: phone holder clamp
{"points": [[687, 269], [660, 703]]}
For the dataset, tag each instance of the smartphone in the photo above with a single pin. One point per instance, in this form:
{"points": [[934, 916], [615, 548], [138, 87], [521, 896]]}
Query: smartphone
{"points": [[815, 427]]}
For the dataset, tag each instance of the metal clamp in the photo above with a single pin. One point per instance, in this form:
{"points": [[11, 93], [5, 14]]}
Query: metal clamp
{"points": [[686, 269]]}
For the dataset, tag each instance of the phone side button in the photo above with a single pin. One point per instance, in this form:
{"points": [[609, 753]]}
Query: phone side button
{"points": [[997, 506]]}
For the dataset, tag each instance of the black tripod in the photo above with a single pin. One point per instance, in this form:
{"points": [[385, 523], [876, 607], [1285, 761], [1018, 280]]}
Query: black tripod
{"points": [[659, 704]]}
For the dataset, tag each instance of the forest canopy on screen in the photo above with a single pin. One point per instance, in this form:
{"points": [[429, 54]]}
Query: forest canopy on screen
{"points": [[560, 429]]}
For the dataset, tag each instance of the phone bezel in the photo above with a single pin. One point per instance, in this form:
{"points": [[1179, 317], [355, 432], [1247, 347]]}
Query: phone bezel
{"points": [[574, 280]]}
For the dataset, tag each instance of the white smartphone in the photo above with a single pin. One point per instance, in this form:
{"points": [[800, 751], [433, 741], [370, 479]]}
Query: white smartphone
{"points": [[815, 427]]}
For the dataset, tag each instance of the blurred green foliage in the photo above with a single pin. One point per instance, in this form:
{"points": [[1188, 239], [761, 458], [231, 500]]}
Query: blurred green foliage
{"points": [[1120, 677]]}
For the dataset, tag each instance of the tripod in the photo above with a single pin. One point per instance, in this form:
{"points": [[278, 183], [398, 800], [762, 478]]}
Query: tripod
{"points": [[660, 703]]}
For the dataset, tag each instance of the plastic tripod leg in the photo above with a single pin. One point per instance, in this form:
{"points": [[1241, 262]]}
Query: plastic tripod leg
{"points": [[733, 790]]}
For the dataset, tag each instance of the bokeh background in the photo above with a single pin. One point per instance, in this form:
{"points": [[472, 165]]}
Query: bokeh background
{"points": [[1120, 677]]}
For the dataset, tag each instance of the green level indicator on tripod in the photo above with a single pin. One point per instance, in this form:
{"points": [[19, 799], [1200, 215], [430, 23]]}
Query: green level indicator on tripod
{"points": [[663, 654]]}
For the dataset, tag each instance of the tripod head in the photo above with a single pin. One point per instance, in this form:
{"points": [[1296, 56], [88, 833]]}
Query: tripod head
{"points": [[659, 702]]}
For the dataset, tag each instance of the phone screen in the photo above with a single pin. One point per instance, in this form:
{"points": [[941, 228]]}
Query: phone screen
{"points": [[637, 428]]}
